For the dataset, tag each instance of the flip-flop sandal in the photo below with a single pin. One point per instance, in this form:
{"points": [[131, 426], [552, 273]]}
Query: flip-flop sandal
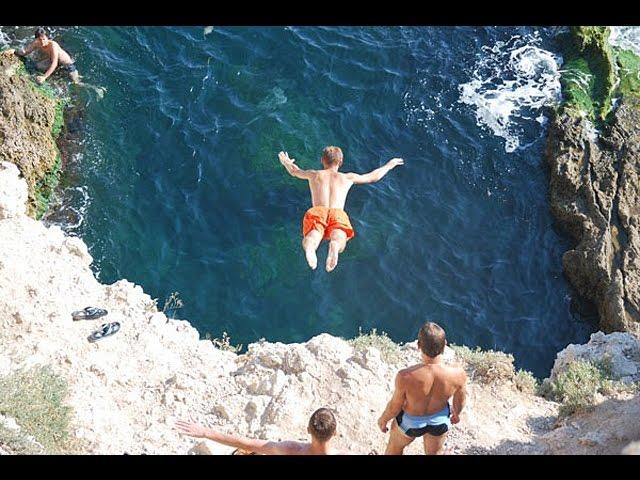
{"points": [[89, 313], [239, 451], [106, 330]]}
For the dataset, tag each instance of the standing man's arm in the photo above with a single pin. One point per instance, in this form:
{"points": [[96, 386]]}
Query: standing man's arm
{"points": [[292, 168], [395, 404], [377, 174], [52, 67], [459, 399], [23, 52], [263, 447]]}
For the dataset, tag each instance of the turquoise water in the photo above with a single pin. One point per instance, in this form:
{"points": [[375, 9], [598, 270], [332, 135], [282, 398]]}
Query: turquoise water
{"points": [[174, 181]]}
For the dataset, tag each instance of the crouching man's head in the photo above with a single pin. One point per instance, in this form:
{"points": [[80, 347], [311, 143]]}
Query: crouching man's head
{"points": [[322, 425]]}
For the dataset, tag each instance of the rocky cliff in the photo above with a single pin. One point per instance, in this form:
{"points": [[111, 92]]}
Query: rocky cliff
{"points": [[594, 163]]}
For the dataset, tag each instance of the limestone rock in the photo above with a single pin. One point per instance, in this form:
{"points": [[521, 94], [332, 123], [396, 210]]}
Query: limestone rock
{"points": [[621, 351]]}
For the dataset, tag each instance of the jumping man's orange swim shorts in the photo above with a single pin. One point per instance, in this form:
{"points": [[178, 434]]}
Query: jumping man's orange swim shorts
{"points": [[325, 220]]}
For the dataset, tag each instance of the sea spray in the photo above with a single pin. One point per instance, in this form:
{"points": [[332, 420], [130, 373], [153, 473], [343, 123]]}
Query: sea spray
{"points": [[511, 82]]}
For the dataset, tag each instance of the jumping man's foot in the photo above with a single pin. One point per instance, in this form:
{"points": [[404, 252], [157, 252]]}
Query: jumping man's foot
{"points": [[332, 256], [312, 258]]}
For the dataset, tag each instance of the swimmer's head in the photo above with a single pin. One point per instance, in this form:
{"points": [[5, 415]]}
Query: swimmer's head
{"points": [[331, 156], [41, 36]]}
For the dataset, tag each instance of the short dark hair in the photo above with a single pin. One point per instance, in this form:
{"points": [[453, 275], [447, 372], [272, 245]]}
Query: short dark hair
{"points": [[40, 32], [431, 339], [332, 156], [322, 424]]}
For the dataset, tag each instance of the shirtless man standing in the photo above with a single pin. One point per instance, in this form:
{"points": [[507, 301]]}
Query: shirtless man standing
{"points": [[322, 427], [57, 57], [420, 402], [326, 219]]}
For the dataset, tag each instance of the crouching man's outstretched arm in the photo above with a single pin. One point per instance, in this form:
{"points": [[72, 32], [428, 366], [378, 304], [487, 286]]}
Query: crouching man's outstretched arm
{"points": [[264, 447]]}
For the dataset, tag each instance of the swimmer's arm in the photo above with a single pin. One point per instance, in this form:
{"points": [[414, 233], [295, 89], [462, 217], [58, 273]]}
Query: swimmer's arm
{"points": [[375, 175], [395, 404], [459, 399], [23, 52], [54, 64], [263, 447], [292, 168]]}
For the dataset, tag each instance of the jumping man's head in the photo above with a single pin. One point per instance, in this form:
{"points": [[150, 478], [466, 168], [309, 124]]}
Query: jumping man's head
{"points": [[41, 36], [431, 339], [322, 425], [331, 156]]}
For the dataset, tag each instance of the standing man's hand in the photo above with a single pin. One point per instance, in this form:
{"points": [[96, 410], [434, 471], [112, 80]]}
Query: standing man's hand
{"points": [[191, 429], [394, 162], [455, 418], [382, 423], [40, 79]]}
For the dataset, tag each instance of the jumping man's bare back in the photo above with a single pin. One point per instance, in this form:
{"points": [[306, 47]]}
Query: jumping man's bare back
{"points": [[329, 188]]}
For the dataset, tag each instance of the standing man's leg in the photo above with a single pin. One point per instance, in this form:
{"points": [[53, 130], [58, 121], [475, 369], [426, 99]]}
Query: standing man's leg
{"points": [[397, 440], [434, 445], [337, 244], [310, 244]]}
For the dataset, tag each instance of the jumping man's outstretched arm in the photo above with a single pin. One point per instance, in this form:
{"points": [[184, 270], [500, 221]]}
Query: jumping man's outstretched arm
{"points": [[264, 447], [292, 168], [377, 174], [394, 406]]}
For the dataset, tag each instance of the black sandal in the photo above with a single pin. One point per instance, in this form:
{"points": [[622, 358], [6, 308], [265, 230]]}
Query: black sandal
{"points": [[89, 313], [106, 330]]}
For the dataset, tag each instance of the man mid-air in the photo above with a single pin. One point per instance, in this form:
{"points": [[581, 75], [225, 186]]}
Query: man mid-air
{"points": [[326, 219]]}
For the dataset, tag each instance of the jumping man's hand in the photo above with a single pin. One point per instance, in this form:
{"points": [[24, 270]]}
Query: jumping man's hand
{"points": [[40, 79], [394, 162], [285, 160]]}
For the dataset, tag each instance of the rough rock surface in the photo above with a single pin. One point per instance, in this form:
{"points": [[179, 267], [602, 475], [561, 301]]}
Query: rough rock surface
{"points": [[594, 196], [127, 390], [26, 120], [621, 352]]}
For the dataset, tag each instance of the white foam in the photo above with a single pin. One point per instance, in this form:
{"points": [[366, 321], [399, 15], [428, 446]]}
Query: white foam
{"points": [[627, 38], [511, 82]]}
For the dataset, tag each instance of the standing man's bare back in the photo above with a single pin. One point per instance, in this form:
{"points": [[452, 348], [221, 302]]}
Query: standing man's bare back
{"points": [[326, 219], [420, 403]]}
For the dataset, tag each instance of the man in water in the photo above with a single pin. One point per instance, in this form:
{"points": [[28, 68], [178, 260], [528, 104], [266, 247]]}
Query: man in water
{"points": [[326, 219], [56, 57], [420, 402], [322, 428]]}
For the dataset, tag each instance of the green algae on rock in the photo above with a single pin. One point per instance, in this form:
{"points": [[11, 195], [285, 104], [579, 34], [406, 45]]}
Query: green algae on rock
{"points": [[594, 73], [28, 109]]}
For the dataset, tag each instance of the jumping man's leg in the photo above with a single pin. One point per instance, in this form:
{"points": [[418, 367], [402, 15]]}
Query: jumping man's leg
{"points": [[338, 241], [310, 245], [397, 440], [434, 445]]}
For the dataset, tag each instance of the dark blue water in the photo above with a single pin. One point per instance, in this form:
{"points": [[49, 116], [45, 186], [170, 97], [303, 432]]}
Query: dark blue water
{"points": [[185, 192]]}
